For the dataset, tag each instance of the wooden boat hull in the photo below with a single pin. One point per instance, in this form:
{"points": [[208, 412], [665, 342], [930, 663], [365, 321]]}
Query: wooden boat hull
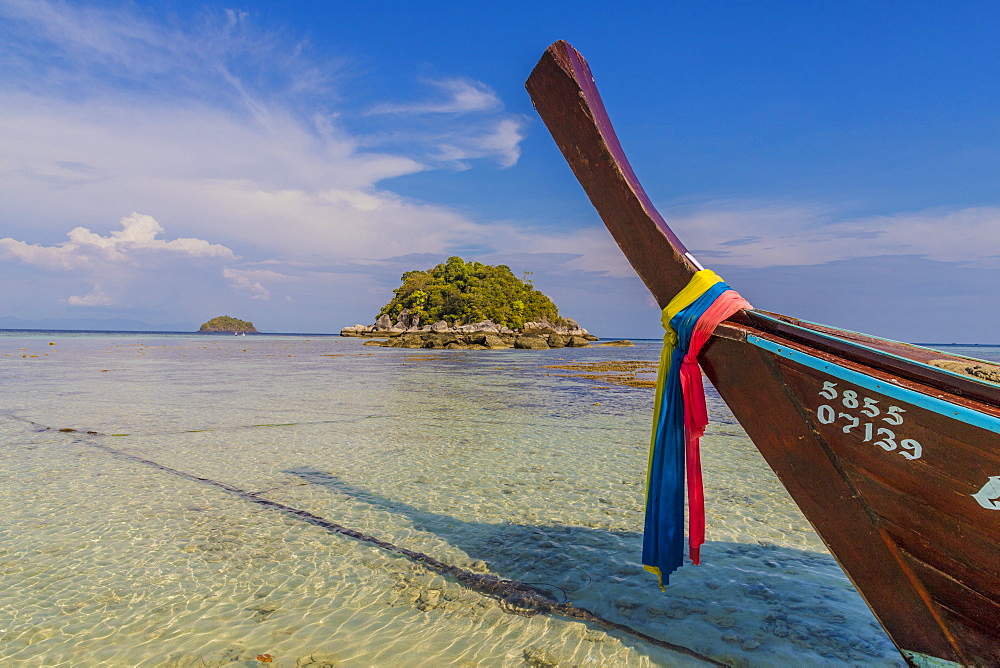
{"points": [[896, 463], [908, 532]]}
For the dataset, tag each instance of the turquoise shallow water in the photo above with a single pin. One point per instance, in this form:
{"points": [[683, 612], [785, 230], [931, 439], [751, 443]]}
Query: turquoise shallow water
{"points": [[489, 461]]}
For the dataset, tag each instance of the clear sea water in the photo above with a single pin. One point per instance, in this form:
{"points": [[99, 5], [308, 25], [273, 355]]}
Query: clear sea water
{"points": [[486, 460]]}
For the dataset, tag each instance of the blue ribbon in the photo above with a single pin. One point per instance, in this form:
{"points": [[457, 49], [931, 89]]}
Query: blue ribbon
{"points": [[663, 537]]}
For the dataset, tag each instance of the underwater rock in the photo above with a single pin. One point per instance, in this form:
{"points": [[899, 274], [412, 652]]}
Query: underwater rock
{"points": [[428, 600], [597, 636], [318, 660], [263, 611], [540, 658], [183, 660]]}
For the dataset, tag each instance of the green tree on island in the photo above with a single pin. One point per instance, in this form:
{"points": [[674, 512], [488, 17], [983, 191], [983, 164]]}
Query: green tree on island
{"points": [[224, 323], [460, 292]]}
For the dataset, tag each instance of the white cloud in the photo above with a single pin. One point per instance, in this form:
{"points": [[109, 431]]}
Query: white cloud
{"points": [[502, 142], [86, 248], [490, 134], [239, 137], [751, 235], [460, 96], [96, 297], [129, 267], [75, 29], [214, 151]]}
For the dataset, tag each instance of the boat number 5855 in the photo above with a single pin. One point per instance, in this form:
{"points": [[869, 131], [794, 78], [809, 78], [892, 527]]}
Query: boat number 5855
{"points": [[866, 417]]}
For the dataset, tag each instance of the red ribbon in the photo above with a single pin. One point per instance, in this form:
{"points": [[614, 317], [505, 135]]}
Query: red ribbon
{"points": [[696, 412]]}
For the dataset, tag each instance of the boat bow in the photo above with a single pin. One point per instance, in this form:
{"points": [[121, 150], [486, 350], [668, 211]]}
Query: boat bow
{"points": [[893, 460]]}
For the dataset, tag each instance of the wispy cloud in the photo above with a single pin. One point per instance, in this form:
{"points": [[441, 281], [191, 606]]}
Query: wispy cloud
{"points": [[227, 132], [751, 235], [477, 127], [458, 96], [244, 142], [64, 48], [502, 141]]}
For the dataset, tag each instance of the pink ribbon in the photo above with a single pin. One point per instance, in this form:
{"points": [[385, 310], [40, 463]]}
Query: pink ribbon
{"points": [[696, 412]]}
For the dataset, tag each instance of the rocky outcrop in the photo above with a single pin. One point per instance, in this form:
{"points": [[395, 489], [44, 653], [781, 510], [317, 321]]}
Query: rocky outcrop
{"points": [[569, 327], [453, 340], [473, 341], [354, 330], [484, 335], [531, 342], [448, 341]]}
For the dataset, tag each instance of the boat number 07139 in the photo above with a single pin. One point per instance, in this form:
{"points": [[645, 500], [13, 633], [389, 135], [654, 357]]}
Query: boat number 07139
{"points": [[844, 406]]}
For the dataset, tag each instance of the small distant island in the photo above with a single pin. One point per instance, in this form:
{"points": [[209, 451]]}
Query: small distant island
{"points": [[470, 305], [228, 325]]}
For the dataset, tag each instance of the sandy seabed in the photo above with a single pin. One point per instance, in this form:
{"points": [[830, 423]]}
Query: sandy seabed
{"points": [[490, 461]]}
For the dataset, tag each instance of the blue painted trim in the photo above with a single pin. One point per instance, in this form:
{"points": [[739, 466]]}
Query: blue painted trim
{"points": [[858, 344], [927, 402]]}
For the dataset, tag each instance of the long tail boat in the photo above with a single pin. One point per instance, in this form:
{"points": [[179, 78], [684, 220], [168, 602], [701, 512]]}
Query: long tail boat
{"points": [[891, 454]]}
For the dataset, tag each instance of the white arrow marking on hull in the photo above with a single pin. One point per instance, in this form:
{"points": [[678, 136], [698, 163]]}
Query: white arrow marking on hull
{"points": [[989, 495]]}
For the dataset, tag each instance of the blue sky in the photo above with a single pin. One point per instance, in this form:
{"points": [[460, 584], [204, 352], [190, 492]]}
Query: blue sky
{"points": [[168, 162]]}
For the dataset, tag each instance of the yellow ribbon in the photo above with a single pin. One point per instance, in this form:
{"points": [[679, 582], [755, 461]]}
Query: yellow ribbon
{"points": [[699, 284], [696, 287]]}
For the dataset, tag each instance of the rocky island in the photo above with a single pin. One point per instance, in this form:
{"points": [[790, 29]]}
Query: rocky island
{"points": [[470, 305], [228, 325]]}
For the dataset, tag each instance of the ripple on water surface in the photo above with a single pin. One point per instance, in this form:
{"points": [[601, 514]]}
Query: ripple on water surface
{"points": [[490, 461]]}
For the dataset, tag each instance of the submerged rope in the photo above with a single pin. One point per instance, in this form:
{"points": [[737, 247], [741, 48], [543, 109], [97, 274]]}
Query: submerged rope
{"points": [[513, 596], [680, 417]]}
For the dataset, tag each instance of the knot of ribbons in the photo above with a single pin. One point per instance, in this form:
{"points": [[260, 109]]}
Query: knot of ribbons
{"points": [[680, 418]]}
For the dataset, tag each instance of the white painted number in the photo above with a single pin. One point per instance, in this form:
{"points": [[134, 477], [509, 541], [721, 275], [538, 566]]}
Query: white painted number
{"points": [[850, 399], [889, 444], [870, 409], [850, 418], [892, 415], [913, 446]]}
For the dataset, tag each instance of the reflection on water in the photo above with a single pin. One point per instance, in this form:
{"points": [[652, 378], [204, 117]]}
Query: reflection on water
{"points": [[487, 461]]}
